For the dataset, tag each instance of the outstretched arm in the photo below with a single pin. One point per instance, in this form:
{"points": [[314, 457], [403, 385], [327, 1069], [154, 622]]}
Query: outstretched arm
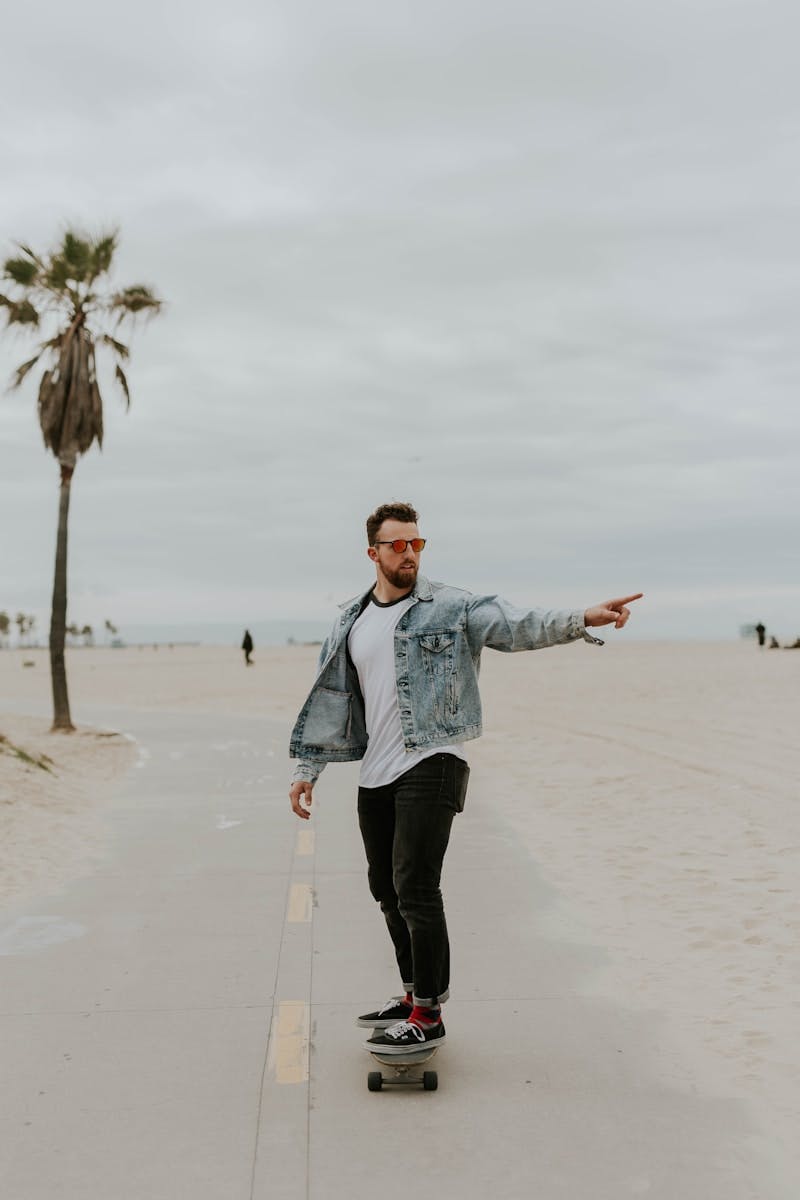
{"points": [[610, 612]]}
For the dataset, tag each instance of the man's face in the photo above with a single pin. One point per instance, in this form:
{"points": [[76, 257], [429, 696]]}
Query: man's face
{"points": [[400, 570]]}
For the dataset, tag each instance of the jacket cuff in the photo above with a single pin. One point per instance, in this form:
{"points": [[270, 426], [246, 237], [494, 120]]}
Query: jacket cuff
{"points": [[579, 630], [307, 771]]}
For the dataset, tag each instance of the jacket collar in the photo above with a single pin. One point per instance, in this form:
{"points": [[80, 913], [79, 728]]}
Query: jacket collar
{"points": [[422, 591]]}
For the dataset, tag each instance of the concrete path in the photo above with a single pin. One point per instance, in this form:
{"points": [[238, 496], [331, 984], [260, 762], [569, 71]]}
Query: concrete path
{"points": [[179, 1024]]}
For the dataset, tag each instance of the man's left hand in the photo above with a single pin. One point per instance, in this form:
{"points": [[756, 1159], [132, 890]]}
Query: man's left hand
{"points": [[611, 612]]}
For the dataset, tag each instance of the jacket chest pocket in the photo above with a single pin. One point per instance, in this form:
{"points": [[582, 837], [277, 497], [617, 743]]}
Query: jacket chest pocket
{"points": [[437, 652]]}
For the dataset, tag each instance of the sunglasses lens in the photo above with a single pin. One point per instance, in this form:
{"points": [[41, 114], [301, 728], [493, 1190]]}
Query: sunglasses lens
{"points": [[417, 544], [399, 545]]}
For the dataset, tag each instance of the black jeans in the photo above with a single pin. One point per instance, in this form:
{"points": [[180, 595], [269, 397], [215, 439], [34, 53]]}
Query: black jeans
{"points": [[406, 827]]}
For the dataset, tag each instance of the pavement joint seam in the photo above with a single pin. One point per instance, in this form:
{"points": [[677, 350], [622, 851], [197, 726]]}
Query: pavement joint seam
{"points": [[263, 1078]]}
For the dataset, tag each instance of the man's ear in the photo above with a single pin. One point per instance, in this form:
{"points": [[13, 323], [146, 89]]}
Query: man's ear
{"points": [[372, 553]]}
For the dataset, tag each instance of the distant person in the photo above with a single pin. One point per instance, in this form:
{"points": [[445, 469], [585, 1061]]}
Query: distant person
{"points": [[247, 646], [397, 688], [761, 631]]}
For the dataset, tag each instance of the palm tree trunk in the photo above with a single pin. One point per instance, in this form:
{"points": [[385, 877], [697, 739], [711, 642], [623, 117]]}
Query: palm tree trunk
{"points": [[58, 619]]}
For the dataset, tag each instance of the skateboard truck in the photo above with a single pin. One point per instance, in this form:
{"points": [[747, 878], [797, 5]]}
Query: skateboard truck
{"points": [[403, 1070]]}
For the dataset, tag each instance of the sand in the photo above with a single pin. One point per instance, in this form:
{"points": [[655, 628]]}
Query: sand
{"points": [[657, 788], [53, 788], [655, 785]]}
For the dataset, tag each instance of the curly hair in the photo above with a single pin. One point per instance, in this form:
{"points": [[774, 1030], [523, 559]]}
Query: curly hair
{"points": [[395, 511]]}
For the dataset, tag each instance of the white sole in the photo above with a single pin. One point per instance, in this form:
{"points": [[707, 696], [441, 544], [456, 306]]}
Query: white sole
{"points": [[419, 1048]]}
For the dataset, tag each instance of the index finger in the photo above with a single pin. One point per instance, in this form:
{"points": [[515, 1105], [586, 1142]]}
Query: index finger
{"points": [[627, 599]]}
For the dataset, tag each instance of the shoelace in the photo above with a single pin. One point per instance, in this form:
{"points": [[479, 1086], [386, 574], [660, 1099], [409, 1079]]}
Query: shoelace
{"points": [[393, 1003], [403, 1027]]}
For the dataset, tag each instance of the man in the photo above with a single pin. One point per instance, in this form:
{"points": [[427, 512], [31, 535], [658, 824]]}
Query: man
{"points": [[397, 688]]}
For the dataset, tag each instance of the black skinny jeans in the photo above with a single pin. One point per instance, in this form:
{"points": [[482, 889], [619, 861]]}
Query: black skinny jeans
{"points": [[406, 827]]}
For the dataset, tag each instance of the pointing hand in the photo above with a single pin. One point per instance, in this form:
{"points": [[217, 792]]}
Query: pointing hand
{"points": [[610, 612]]}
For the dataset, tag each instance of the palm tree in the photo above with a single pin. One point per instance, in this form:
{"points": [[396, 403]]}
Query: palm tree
{"points": [[67, 294]]}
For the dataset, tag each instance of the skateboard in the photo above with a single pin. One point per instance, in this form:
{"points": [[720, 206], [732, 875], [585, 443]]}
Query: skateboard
{"points": [[403, 1069]]}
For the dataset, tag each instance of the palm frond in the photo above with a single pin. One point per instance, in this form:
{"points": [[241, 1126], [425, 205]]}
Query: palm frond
{"points": [[70, 413], [118, 347], [134, 300], [82, 367], [21, 312], [50, 409], [58, 274], [77, 254], [103, 250], [78, 424], [96, 402], [21, 371], [31, 254], [21, 271], [123, 383]]}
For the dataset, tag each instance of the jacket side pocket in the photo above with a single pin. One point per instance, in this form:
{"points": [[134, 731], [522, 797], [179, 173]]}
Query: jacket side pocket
{"points": [[328, 720]]}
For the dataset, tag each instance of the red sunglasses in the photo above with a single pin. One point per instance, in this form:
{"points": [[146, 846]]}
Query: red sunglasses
{"points": [[399, 544]]}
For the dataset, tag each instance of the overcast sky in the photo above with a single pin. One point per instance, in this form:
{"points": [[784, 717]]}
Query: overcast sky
{"points": [[533, 267]]}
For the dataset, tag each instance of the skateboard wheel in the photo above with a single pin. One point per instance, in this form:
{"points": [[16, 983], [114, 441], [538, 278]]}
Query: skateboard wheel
{"points": [[375, 1081], [430, 1081]]}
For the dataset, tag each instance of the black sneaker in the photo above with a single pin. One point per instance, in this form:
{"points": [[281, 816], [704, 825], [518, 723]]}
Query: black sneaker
{"points": [[394, 1010], [405, 1037]]}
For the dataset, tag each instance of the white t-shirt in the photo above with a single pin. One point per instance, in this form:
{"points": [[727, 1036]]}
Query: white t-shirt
{"points": [[371, 646]]}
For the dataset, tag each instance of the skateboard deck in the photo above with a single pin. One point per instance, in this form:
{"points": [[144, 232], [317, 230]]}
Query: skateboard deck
{"points": [[402, 1070]]}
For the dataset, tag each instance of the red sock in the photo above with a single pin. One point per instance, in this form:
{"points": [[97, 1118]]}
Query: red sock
{"points": [[425, 1016]]}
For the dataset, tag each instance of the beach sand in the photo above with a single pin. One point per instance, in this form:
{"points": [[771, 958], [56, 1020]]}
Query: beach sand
{"points": [[655, 785], [52, 791]]}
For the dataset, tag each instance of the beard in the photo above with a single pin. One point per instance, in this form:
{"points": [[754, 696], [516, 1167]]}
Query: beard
{"points": [[400, 578]]}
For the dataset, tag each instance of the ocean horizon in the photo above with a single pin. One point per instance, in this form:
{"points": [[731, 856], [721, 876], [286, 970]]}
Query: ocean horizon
{"points": [[204, 633], [296, 632], [221, 633]]}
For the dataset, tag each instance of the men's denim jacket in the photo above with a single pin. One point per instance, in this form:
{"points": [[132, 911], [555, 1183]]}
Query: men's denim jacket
{"points": [[437, 650]]}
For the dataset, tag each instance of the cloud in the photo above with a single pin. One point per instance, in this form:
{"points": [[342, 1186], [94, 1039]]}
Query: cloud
{"points": [[531, 269]]}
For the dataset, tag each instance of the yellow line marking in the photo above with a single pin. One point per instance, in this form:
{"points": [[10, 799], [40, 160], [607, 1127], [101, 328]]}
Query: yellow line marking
{"points": [[305, 842], [300, 900], [288, 1052]]}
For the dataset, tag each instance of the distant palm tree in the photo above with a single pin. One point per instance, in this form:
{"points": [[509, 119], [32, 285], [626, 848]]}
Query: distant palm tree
{"points": [[68, 291]]}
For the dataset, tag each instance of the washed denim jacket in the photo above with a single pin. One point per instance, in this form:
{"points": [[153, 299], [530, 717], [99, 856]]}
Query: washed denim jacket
{"points": [[437, 650]]}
